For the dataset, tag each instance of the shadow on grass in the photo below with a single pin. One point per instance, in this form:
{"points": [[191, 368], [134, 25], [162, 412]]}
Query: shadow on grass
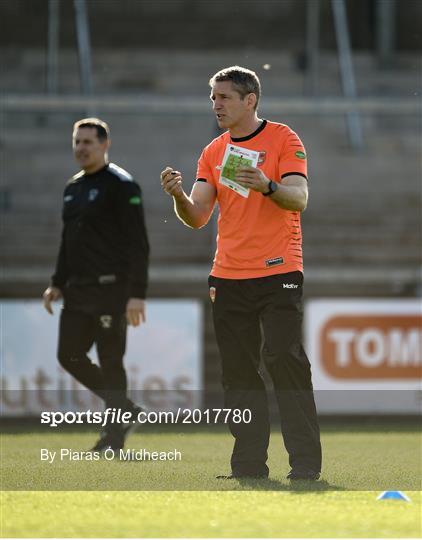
{"points": [[268, 484], [16, 426]]}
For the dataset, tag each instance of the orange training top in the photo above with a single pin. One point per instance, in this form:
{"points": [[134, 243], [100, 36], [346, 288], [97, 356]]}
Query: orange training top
{"points": [[256, 238]]}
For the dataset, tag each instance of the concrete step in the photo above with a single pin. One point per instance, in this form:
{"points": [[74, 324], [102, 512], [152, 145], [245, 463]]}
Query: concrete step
{"points": [[146, 71]]}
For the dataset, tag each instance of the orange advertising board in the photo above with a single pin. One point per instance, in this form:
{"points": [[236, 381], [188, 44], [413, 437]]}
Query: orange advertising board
{"points": [[365, 354], [372, 346]]}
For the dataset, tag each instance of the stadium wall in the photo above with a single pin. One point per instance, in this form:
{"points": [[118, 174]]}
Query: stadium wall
{"points": [[203, 24]]}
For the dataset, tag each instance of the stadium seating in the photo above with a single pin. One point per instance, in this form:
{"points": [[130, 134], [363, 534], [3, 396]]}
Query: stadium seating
{"points": [[361, 229]]}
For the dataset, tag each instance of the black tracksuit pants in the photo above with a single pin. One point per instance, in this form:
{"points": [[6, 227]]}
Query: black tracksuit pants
{"points": [[95, 315], [264, 316]]}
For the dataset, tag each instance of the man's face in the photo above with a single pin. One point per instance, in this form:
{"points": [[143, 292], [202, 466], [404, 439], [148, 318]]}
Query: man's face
{"points": [[229, 106], [89, 151]]}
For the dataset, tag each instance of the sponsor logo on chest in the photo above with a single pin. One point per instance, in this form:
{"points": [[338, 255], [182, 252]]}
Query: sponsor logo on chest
{"points": [[92, 194]]}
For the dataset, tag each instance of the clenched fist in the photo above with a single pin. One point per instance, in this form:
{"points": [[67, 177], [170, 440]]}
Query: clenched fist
{"points": [[171, 182]]}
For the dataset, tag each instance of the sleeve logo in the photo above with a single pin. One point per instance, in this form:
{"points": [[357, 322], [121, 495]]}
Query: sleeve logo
{"points": [[300, 154], [135, 200]]}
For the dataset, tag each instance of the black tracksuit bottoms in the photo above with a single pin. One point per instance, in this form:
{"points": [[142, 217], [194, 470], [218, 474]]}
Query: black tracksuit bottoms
{"points": [[262, 317], [95, 315]]}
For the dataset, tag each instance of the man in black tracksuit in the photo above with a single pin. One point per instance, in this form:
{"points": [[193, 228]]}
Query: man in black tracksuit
{"points": [[101, 271]]}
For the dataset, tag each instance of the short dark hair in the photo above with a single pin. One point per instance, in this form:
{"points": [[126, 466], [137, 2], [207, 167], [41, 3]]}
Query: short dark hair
{"points": [[245, 81], [103, 131]]}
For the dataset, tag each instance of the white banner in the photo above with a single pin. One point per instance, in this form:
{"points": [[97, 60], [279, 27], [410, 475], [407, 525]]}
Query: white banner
{"points": [[163, 355], [366, 354]]}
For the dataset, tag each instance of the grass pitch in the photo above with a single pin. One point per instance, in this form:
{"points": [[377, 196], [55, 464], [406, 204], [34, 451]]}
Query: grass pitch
{"points": [[183, 499]]}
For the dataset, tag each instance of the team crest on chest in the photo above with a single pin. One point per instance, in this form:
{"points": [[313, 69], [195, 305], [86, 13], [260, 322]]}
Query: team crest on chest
{"points": [[262, 157]]}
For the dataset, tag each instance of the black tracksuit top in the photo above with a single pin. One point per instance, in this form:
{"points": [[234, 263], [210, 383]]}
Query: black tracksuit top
{"points": [[104, 239]]}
